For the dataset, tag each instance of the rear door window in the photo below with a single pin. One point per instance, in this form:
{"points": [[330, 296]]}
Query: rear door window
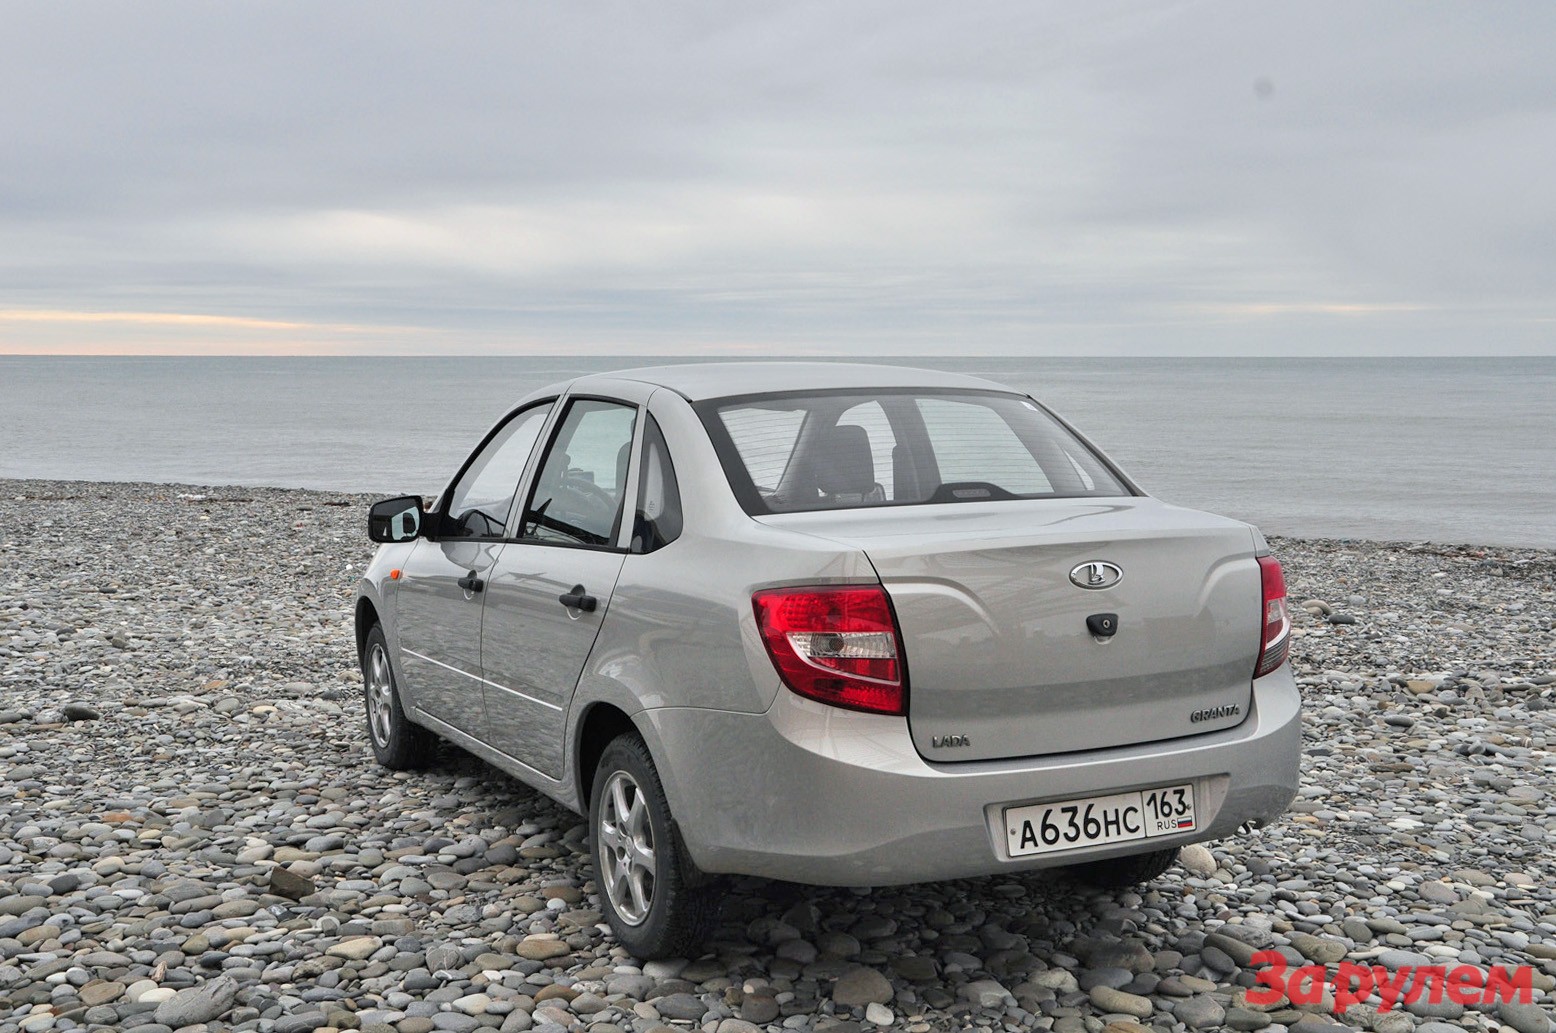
{"points": [[658, 521], [577, 495]]}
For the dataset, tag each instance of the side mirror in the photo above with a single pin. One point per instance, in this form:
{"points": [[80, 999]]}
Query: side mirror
{"points": [[396, 520]]}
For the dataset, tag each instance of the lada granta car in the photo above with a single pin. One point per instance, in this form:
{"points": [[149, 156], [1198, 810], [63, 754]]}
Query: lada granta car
{"points": [[842, 625]]}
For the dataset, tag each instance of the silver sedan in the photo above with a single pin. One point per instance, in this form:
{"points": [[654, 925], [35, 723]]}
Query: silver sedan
{"points": [[844, 625]]}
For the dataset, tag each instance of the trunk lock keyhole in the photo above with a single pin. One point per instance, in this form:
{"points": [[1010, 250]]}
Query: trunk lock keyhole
{"points": [[1102, 625]]}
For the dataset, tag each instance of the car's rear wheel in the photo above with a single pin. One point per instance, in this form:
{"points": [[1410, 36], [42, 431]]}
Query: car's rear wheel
{"points": [[656, 902], [1127, 871], [397, 743]]}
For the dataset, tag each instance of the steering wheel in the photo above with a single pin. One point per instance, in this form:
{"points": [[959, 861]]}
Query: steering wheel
{"points": [[587, 499]]}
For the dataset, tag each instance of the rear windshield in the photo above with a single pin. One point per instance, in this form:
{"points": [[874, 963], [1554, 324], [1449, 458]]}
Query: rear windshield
{"points": [[790, 453]]}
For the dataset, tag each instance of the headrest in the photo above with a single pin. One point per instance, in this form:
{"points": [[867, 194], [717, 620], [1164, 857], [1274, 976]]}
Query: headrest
{"points": [[623, 456], [844, 463]]}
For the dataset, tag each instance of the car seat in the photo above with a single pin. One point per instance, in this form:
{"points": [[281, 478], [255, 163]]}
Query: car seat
{"points": [[845, 467]]}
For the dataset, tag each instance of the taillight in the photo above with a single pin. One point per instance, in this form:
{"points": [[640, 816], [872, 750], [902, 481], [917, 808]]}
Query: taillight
{"points": [[837, 645], [1275, 630]]}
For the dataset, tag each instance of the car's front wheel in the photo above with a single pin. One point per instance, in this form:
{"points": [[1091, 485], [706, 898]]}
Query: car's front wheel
{"points": [[397, 743], [657, 903]]}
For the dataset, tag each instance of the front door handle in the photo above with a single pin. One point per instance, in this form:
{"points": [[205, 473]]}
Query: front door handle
{"points": [[471, 583], [578, 599]]}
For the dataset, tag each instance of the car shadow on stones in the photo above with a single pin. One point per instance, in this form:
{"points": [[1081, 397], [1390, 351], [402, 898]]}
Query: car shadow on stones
{"points": [[956, 946], [945, 950]]}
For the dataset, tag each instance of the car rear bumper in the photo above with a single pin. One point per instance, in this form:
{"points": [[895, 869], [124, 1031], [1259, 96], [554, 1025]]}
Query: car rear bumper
{"points": [[813, 794]]}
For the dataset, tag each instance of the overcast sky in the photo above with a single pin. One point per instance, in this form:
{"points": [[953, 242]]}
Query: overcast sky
{"points": [[830, 178]]}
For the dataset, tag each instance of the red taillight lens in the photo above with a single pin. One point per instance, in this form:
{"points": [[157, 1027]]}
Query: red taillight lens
{"points": [[836, 645], [1275, 632]]}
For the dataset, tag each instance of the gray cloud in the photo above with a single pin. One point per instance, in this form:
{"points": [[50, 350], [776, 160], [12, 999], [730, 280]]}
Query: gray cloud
{"points": [[900, 177]]}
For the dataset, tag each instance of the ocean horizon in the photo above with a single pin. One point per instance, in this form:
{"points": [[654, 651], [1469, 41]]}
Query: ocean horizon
{"points": [[1455, 449]]}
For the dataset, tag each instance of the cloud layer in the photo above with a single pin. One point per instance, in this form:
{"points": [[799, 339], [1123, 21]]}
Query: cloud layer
{"points": [[799, 178]]}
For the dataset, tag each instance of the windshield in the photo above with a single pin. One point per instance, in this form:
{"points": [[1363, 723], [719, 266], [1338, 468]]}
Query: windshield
{"points": [[794, 452]]}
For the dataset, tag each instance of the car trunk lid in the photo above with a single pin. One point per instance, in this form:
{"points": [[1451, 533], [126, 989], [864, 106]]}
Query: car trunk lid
{"points": [[1000, 659]]}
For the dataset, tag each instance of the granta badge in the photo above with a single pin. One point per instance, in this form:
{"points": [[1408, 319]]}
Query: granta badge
{"points": [[1215, 713]]}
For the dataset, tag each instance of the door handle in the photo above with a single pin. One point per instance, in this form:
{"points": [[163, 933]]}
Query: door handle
{"points": [[578, 599], [471, 583]]}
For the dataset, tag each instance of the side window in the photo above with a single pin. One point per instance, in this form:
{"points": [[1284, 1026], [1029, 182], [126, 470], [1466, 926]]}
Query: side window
{"points": [[483, 499], [577, 497], [658, 520]]}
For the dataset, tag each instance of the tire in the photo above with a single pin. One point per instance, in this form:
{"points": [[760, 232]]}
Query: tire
{"points": [[1124, 872], [397, 744], [657, 903]]}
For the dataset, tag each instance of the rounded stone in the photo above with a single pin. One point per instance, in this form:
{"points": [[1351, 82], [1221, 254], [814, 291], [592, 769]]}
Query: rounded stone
{"points": [[1108, 1000], [1198, 1012], [861, 985]]}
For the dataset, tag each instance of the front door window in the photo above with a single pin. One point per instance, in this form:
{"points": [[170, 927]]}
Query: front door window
{"points": [[483, 498]]}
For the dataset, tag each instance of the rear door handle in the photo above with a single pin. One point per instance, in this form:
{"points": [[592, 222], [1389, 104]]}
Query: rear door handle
{"points": [[471, 583], [578, 599]]}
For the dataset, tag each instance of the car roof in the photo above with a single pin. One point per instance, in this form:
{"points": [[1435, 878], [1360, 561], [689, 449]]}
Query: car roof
{"points": [[696, 381]]}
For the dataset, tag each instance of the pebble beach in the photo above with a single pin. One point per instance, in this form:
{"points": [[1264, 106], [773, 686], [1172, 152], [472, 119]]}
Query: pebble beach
{"points": [[193, 834]]}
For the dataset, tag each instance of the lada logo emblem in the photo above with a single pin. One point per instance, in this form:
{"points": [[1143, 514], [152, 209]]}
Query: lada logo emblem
{"points": [[1096, 575]]}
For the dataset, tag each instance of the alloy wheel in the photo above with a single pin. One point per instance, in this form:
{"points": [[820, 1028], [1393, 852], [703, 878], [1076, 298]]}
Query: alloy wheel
{"points": [[380, 695], [627, 849]]}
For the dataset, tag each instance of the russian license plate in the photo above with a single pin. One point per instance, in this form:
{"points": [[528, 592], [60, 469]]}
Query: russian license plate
{"points": [[1096, 821]]}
